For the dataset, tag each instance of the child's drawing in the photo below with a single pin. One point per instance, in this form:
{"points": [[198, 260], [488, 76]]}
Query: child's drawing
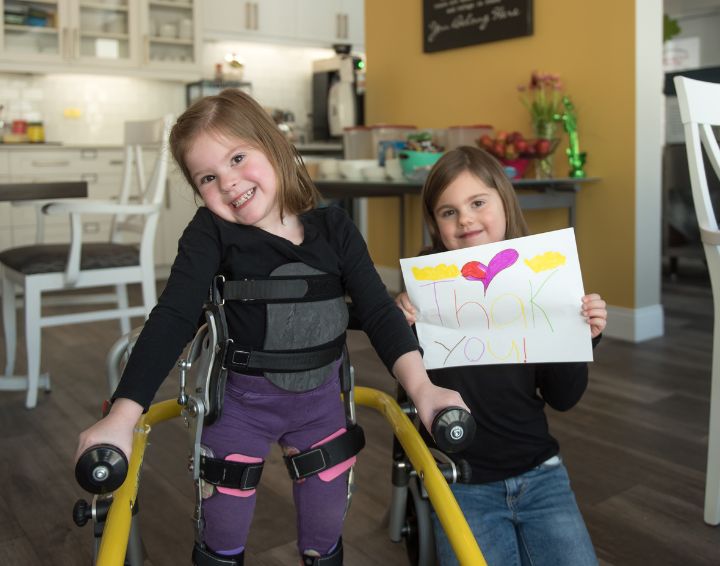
{"points": [[530, 314]]}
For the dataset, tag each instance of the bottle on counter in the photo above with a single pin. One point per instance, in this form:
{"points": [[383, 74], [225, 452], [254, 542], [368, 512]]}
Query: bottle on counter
{"points": [[35, 132]]}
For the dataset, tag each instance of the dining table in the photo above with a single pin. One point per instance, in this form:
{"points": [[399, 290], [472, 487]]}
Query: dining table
{"points": [[45, 191], [533, 194]]}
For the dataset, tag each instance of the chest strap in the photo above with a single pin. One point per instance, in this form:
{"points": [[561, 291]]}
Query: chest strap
{"points": [[327, 455], [226, 473], [241, 358], [283, 289]]}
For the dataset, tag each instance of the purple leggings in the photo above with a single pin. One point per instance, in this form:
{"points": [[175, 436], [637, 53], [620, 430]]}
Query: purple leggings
{"points": [[255, 414]]}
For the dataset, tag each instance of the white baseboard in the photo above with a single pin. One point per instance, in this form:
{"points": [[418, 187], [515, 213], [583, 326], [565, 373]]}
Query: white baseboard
{"points": [[635, 325]]}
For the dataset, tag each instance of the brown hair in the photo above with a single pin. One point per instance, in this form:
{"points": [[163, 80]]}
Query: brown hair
{"points": [[235, 114], [485, 167]]}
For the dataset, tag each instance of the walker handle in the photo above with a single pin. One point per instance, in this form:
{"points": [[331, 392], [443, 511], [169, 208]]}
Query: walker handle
{"points": [[101, 469], [453, 429]]}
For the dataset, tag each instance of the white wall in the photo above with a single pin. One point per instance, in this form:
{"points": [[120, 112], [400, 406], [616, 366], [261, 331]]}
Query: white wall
{"points": [[91, 109]]}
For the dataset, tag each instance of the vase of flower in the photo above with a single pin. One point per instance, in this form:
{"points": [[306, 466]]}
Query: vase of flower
{"points": [[543, 99], [544, 162]]}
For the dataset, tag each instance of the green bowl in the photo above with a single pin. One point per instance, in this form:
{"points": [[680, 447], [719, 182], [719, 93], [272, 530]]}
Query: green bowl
{"points": [[411, 161]]}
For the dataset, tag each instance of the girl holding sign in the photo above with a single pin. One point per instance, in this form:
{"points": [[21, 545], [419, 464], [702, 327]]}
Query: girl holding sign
{"points": [[519, 504]]}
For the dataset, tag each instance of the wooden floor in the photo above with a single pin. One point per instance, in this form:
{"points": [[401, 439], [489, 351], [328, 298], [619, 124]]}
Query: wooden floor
{"points": [[635, 447]]}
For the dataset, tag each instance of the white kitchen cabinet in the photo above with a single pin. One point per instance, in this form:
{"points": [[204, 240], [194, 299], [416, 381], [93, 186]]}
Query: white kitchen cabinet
{"points": [[332, 21], [69, 33], [102, 168], [171, 36], [137, 37], [250, 20]]}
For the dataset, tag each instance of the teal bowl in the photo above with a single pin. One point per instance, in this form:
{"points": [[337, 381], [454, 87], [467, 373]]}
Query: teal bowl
{"points": [[417, 162]]}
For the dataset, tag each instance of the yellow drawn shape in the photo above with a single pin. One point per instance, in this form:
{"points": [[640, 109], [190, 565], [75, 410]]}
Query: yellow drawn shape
{"points": [[543, 262], [436, 273]]}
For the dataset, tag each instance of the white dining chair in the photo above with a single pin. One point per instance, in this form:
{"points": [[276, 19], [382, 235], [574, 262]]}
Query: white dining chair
{"points": [[700, 112], [128, 257]]}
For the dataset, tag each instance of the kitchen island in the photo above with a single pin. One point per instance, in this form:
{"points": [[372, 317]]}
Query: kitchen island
{"points": [[534, 194]]}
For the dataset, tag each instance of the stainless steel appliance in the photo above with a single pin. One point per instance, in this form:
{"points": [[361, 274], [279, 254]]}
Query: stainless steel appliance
{"points": [[338, 94]]}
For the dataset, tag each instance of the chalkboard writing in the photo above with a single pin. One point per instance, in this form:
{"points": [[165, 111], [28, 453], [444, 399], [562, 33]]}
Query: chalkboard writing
{"points": [[448, 24]]}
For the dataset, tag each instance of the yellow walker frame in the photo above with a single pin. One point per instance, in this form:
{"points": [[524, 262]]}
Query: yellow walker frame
{"points": [[116, 532]]}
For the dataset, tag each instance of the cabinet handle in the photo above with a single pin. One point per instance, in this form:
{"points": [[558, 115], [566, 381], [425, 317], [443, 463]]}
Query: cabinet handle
{"points": [[256, 18], [76, 43], [346, 34], [338, 32], [50, 163], [117, 162], [248, 8]]}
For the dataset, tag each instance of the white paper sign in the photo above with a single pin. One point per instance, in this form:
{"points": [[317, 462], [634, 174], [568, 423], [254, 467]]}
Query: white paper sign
{"points": [[515, 301]]}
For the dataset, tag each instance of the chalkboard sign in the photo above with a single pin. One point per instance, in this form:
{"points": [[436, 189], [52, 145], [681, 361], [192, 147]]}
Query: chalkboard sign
{"points": [[448, 24]]}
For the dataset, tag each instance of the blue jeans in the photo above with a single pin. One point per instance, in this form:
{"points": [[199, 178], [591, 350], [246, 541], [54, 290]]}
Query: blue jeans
{"points": [[529, 520]]}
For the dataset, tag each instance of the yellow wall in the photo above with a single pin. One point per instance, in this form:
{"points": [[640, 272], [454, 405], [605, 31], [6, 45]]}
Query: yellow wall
{"points": [[594, 53]]}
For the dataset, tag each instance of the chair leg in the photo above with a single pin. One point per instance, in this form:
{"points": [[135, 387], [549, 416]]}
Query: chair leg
{"points": [[712, 480], [122, 301], [32, 343], [9, 324]]}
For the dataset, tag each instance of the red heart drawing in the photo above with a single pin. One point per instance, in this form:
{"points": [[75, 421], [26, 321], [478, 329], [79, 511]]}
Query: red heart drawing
{"points": [[474, 270]]}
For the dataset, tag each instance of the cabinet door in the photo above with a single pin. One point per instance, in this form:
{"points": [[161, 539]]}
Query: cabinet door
{"points": [[318, 21], [353, 23], [34, 31], [332, 21], [103, 33], [246, 19], [171, 34]]}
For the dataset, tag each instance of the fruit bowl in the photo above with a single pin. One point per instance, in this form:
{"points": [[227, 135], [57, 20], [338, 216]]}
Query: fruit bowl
{"points": [[514, 146]]}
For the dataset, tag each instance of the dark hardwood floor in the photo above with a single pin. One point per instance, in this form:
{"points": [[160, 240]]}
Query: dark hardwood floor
{"points": [[635, 447]]}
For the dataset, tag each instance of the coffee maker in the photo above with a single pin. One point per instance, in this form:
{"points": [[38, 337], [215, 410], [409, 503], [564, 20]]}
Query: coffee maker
{"points": [[338, 94]]}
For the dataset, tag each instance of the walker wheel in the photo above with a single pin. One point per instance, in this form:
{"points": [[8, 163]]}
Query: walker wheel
{"points": [[453, 429], [101, 469]]}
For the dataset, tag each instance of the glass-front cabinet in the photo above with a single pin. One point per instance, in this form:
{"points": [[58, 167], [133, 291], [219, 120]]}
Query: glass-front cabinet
{"points": [[148, 36], [171, 34], [34, 31], [69, 31]]}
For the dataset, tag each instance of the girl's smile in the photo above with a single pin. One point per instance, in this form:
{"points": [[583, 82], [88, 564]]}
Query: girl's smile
{"points": [[469, 213], [236, 181]]}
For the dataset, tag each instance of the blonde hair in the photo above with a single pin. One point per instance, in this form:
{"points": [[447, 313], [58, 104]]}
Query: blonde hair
{"points": [[235, 114], [485, 167]]}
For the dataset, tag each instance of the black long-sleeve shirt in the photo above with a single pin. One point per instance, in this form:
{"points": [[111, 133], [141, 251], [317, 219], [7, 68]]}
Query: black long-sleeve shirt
{"points": [[210, 246], [508, 402]]}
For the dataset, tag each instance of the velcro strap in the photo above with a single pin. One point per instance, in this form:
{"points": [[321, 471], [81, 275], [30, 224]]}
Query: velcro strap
{"points": [[226, 473], [288, 289], [239, 358], [327, 455]]}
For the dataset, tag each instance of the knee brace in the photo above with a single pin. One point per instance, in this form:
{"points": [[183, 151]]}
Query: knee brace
{"points": [[325, 455], [334, 558], [232, 475], [204, 557]]}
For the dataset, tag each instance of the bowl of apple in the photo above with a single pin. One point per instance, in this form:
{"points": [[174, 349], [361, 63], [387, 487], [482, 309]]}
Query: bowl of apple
{"points": [[515, 151]]}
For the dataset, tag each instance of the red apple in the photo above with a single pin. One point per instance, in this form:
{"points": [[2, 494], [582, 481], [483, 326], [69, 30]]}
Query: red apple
{"points": [[485, 142], [521, 145], [498, 148], [501, 135]]}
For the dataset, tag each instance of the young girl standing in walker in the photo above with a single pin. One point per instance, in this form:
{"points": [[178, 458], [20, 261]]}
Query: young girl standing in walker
{"points": [[259, 226], [519, 504]]}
